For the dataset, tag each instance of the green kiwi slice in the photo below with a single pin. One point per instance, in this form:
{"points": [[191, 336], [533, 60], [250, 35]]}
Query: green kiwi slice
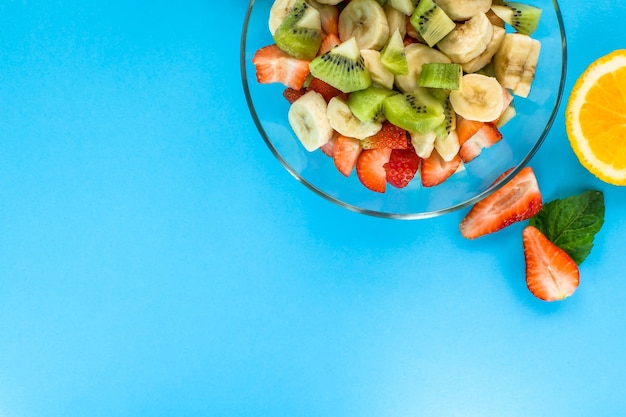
{"points": [[393, 56], [300, 34], [367, 105], [440, 75], [524, 18], [431, 22], [342, 67], [416, 112]]}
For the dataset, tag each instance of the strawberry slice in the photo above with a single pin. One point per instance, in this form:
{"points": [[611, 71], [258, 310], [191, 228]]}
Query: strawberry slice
{"points": [[517, 200], [370, 168], [326, 90], [292, 95], [486, 136], [346, 152], [402, 167], [329, 42], [435, 170], [275, 66], [329, 147], [551, 274], [389, 136], [466, 128]]}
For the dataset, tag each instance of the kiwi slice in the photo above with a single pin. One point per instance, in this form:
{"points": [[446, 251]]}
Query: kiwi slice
{"points": [[393, 56], [431, 22], [524, 18], [440, 75], [367, 105], [449, 122], [342, 67], [300, 34], [416, 112]]}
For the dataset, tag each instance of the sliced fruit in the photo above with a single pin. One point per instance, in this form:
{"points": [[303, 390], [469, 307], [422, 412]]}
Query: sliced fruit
{"points": [[393, 56], [300, 34], [404, 6], [307, 117], [329, 42], [417, 54], [345, 154], [329, 16], [402, 167], [515, 62], [517, 200], [379, 74], [595, 118], [423, 143], [551, 274], [326, 90], [486, 136], [389, 136], [395, 18], [440, 75], [292, 95], [342, 67], [466, 128], [272, 65], [486, 56], [431, 22], [366, 21], [370, 168], [524, 18], [328, 148], [346, 123], [367, 105], [435, 170], [417, 112], [478, 98], [279, 10], [448, 146], [460, 10], [468, 39]]}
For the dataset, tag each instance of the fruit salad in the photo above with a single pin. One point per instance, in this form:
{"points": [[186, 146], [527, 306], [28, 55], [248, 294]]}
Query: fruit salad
{"points": [[400, 90]]}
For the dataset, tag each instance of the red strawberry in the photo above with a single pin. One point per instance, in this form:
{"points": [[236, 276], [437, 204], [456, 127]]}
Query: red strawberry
{"points": [[435, 170], [329, 16], [517, 200], [402, 167], [466, 128], [329, 42], [275, 66], [551, 274], [486, 136], [346, 153], [329, 147], [326, 90], [390, 136], [292, 95], [370, 168]]}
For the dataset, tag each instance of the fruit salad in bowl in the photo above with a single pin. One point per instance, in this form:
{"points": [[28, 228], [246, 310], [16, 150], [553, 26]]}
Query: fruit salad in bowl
{"points": [[403, 108]]}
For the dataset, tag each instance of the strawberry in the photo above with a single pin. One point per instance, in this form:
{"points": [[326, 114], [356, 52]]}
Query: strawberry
{"points": [[326, 90], [517, 200], [435, 170], [329, 42], [486, 136], [346, 153], [551, 274], [466, 128], [275, 66], [402, 167], [292, 95], [329, 147], [370, 168], [389, 136], [329, 16]]}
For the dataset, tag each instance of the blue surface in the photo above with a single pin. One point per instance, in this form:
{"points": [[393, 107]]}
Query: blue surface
{"points": [[156, 260]]}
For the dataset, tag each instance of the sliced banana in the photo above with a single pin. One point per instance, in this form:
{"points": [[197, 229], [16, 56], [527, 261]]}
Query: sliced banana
{"points": [[485, 58], [345, 122], [448, 146], [515, 62], [417, 54], [468, 40], [405, 6], [309, 120], [331, 2], [395, 19], [279, 10], [366, 21], [378, 72], [423, 143], [463, 9], [479, 98]]}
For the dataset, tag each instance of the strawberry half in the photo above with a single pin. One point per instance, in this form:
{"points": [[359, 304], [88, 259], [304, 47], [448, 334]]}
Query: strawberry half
{"points": [[370, 168], [551, 274], [402, 167], [435, 170], [466, 128], [292, 95], [329, 147], [275, 66], [485, 137], [345, 154], [326, 90], [389, 136], [517, 200]]}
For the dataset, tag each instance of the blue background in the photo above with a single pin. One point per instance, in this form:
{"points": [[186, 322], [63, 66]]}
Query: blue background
{"points": [[156, 259]]}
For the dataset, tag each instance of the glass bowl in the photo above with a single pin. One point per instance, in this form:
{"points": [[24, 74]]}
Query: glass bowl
{"points": [[522, 136]]}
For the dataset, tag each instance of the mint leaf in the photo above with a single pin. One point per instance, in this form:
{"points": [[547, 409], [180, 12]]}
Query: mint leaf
{"points": [[572, 223]]}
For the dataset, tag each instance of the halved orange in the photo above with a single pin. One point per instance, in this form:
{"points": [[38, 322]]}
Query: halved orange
{"points": [[595, 118]]}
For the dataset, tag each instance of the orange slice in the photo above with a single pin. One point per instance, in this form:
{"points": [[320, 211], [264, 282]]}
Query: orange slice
{"points": [[595, 118]]}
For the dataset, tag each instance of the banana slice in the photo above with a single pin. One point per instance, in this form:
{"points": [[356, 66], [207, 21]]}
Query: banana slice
{"points": [[423, 143], [515, 62], [485, 58], [345, 122], [308, 118], [463, 9], [330, 2], [468, 40], [279, 10], [396, 19], [479, 98], [405, 6], [448, 146], [366, 21], [378, 73], [417, 54]]}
